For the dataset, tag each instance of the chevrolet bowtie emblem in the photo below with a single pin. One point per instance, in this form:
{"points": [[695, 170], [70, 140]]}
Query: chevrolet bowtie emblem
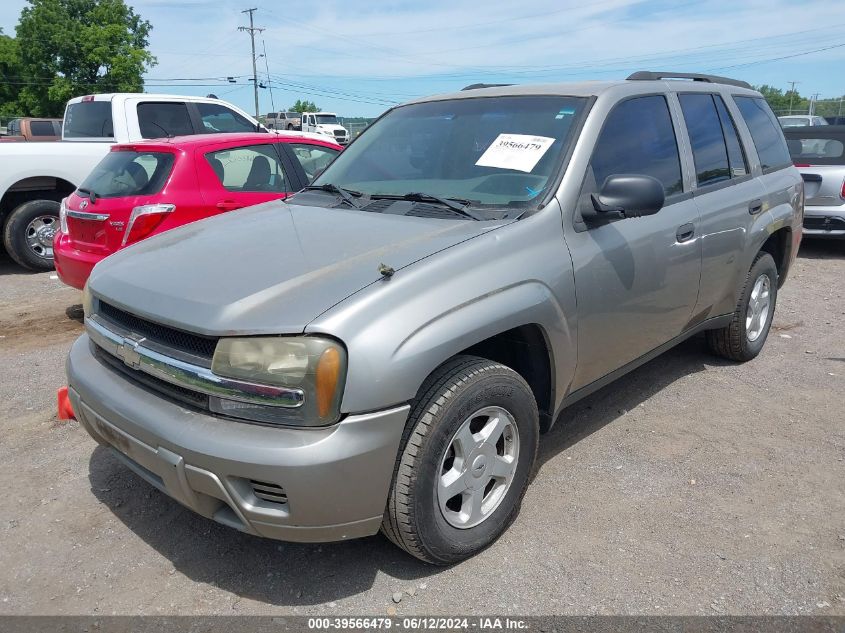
{"points": [[128, 353]]}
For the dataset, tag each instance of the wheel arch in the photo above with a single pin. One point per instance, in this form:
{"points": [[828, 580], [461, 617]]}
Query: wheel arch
{"points": [[527, 351], [779, 246], [34, 188]]}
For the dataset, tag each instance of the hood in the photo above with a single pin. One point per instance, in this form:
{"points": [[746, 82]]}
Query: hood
{"points": [[268, 269], [331, 127]]}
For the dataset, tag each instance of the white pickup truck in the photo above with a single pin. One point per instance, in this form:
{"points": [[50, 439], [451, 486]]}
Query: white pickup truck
{"points": [[34, 177], [325, 123]]}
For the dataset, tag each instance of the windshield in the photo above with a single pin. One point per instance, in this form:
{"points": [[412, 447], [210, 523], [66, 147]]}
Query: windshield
{"points": [[124, 173], [292, 115], [88, 119], [498, 151], [326, 119]]}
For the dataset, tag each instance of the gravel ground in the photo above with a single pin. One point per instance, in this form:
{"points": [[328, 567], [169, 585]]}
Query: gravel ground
{"points": [[691, 486]]}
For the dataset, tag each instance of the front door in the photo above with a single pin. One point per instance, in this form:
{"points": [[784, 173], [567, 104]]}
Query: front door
{"points": [[636, 279]]}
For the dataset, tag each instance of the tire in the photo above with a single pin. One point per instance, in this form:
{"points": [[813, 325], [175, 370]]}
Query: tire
{"points": [[438, 530], [290, 126], [741, 341], [28, 234]]}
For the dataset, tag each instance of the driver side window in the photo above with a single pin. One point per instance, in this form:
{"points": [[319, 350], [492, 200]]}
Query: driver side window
{"points": [[637, 138]]}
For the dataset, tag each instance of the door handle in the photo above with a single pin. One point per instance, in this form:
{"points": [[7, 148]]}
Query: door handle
{"points": [[228, 205], [755, 206], [685, 232]]}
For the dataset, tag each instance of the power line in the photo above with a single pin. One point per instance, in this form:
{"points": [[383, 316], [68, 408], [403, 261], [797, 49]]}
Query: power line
{"points": [[267, 68]]}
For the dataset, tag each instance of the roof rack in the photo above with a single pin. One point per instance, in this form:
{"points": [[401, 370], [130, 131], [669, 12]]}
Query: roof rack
{"points": [[478, 86], [647, 75]]}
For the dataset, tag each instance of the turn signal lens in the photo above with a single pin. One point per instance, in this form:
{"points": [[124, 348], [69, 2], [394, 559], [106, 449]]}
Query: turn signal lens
{"points": [[328, 373]]}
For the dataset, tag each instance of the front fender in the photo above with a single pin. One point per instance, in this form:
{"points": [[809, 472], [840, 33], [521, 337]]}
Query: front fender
{"points": [[400, 329]]}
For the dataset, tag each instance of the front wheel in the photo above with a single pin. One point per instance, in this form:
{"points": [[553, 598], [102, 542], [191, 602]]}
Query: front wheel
{"points": [[746, 334], [29, 231], [468, 451]]}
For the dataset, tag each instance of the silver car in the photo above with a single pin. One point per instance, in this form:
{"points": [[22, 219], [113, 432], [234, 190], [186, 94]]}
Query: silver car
{"points": [[819, 153], [384, 350]]}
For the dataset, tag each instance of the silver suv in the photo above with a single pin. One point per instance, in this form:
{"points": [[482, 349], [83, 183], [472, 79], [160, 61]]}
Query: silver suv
{"points": [[384, 349]]}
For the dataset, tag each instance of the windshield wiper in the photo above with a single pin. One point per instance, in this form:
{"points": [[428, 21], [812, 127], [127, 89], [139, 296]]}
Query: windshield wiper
{"points": [[87, 193], [346, 194], [458, 205]]}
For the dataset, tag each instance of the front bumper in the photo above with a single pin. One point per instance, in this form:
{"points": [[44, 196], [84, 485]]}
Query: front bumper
{"points": [[308, 485], [824, 221]]}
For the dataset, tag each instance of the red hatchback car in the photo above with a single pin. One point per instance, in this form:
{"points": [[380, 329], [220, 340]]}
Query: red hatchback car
{"points": [[142, 189]]}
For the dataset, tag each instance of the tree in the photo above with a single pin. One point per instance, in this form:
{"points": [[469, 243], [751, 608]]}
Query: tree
{"points": [[9, 71], [779, 101], [304, 106], [74, 47]]}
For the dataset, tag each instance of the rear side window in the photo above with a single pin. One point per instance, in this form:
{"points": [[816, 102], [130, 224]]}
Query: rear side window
{"points": [[736, 154], [122, 174], [89, 119], [313, 158], [218, 118], [256, 168], [716, 148], [162, 120], [708, 142], [765, 132], [638, 138]]}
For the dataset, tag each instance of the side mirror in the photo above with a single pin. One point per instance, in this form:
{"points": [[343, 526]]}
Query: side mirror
{"points": [[629, 195]]}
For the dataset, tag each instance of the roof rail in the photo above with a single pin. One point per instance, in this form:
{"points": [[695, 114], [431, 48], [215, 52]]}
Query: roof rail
{"points": [[647, 75], [477, 86]]}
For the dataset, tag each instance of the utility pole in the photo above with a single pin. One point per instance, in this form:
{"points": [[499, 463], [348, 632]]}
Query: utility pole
{"points": [[252, 29], [792, 94], [813, 100]]}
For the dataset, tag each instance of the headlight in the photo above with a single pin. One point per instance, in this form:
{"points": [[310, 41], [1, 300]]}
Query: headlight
{"points": [[87, 301], [63, 216], [316, 366]]}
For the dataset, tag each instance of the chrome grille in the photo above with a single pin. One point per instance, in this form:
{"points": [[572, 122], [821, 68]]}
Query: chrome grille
{"points": [[188, 342]]}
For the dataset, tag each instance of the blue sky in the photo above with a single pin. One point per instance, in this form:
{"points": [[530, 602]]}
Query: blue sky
{"points": [[358, 58]]}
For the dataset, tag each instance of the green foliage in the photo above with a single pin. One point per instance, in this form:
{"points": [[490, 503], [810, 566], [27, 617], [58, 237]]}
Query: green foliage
{"points": [[68, 48], [304, 106], [779, 101], [9, 64]]}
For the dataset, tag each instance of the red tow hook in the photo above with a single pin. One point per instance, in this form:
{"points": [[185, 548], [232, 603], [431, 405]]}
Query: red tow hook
{"points": [[65, 407]]}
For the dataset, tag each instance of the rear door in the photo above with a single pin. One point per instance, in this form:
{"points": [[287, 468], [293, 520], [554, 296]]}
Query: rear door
{"points": [[726, 194], [636, 278], [236, 177]]}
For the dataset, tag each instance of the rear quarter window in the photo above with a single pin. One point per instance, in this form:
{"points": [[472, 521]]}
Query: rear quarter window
{"points": [[765, 132]]}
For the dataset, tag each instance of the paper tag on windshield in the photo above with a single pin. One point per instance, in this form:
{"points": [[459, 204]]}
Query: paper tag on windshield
{"points": [[515, 151]]}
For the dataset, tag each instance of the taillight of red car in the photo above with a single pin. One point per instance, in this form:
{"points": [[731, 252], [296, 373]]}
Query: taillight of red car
{"points": [[144, 220]]}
